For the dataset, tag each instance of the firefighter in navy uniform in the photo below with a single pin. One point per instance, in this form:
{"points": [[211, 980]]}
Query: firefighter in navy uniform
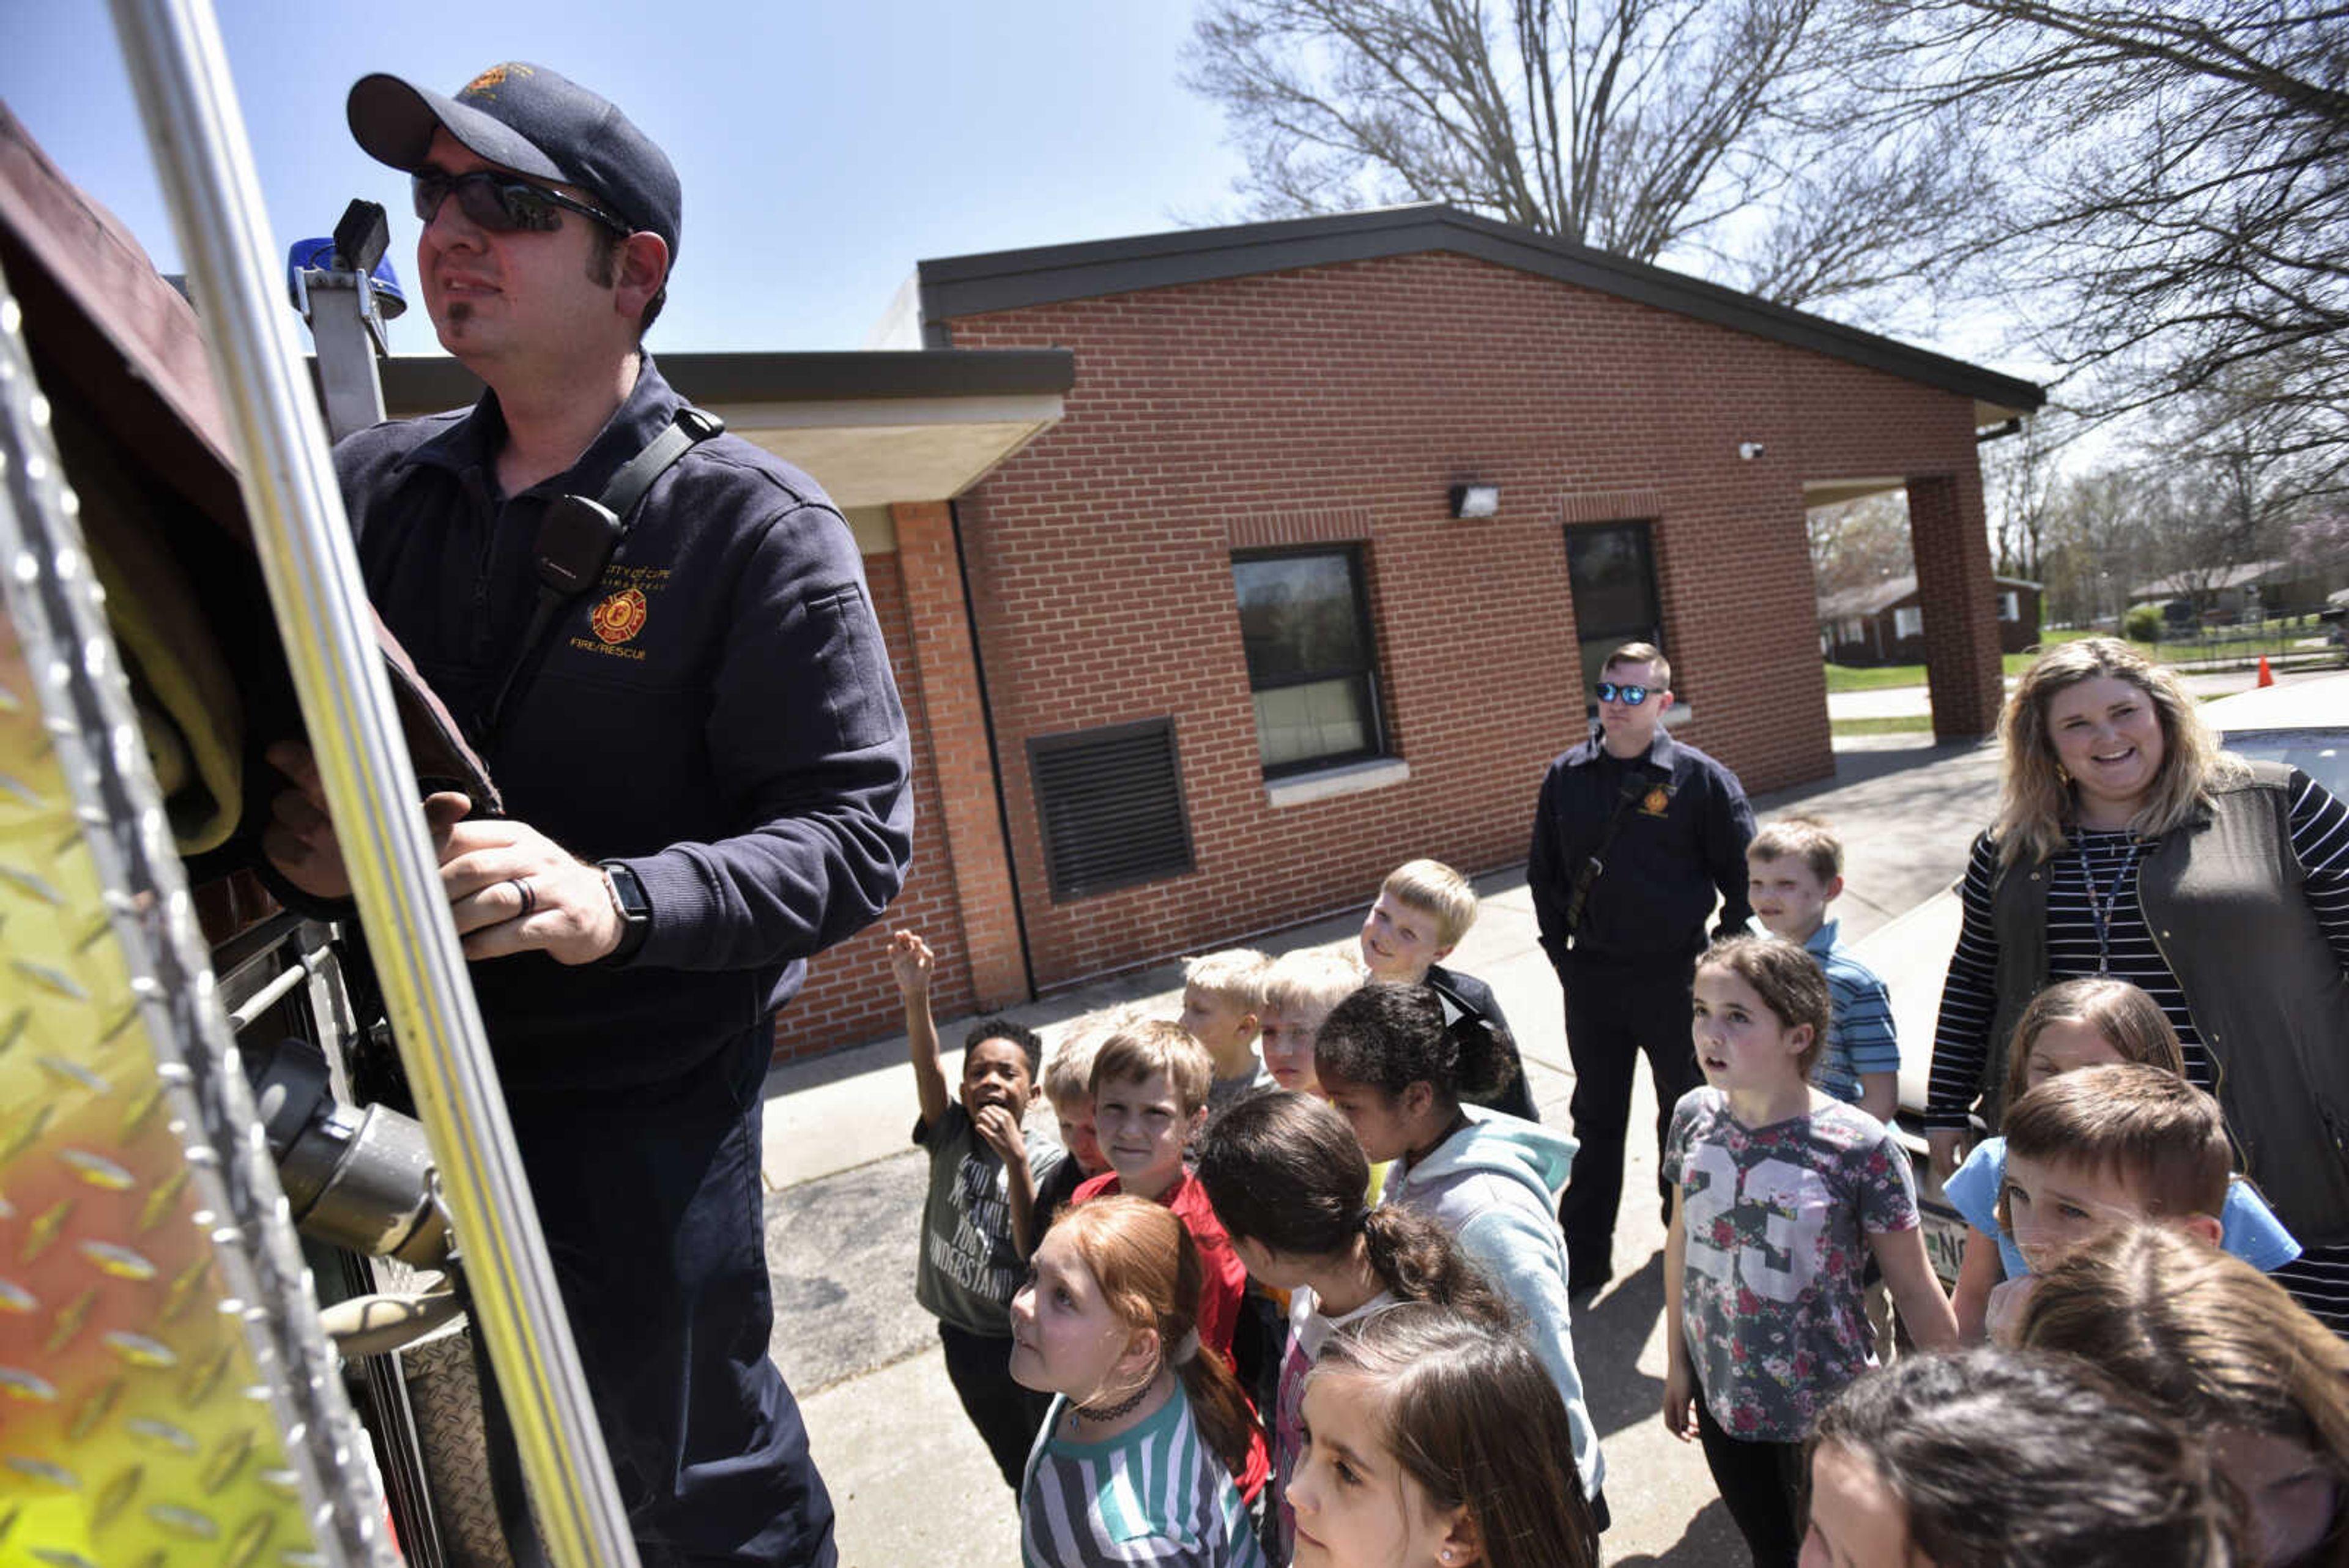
{"points": [[702, 750], [1635, 837]]}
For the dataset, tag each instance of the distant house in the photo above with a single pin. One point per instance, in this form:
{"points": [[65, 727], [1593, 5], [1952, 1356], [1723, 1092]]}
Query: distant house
{"points": [[1884, 623], [2270, 588]]}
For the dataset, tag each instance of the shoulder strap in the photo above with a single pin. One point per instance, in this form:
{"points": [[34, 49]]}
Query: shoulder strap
{"points": [[691, 427], [1636, 784], [577, 538]]}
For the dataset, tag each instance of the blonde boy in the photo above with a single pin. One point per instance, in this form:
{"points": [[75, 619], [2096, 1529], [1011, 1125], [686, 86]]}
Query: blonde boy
{"points": [[1150, 1094], [1069, 1086], [1793, 871], [1422, 910], [1223, 1007], [1299, 990]]}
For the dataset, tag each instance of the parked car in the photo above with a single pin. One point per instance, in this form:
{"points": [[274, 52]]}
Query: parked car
{"points": [[2302, 722]]}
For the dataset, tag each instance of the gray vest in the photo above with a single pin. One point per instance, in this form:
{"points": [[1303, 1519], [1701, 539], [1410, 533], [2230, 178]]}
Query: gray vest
{"points": [[2222, 895]]}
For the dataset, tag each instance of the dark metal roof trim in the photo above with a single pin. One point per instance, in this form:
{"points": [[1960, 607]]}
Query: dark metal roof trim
{"points": [[412, 383], [1011, 280]]}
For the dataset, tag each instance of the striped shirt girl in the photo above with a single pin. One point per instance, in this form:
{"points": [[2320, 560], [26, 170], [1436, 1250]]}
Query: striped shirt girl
{"points": [[1155, 1494]]}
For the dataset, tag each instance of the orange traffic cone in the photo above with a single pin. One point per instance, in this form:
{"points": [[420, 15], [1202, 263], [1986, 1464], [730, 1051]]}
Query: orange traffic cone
{"points": [[2267, 676]]}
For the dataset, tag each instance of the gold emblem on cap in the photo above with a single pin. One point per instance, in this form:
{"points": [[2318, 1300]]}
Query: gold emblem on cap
{"points": [[490, 81]]}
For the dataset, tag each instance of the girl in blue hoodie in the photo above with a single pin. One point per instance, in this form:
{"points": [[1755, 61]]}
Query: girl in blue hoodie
{"points": [[1398, 1072]]}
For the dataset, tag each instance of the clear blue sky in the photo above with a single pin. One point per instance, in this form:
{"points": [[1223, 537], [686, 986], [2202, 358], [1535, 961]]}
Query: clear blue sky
{"points": [[825, 146]]}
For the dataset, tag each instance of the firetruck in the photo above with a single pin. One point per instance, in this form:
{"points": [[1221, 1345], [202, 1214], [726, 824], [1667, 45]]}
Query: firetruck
{"points": [[272, 1288]]}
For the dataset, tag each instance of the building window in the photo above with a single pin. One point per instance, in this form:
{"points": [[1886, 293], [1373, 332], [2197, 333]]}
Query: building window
{"points": [[1612, 570], [1909, 620], [2010, 605], [1305, 622]]}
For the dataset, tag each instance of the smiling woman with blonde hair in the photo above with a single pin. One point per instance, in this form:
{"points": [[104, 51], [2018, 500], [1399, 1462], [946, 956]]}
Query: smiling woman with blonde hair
{"points": [[2038, 798], [2129, 845]]}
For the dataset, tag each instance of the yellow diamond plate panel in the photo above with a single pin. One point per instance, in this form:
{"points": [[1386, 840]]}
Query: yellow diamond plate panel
{"points": [[133, 1429]]}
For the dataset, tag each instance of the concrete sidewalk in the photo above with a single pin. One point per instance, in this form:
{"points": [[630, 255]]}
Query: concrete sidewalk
{"points": [[912, 1481]]}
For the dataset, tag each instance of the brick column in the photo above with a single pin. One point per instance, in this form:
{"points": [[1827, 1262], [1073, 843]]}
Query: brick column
{"points": [[966, 789], [1947, 537]]}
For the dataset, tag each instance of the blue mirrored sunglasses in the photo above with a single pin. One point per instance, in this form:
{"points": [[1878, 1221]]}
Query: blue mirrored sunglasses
{"points": [[1611, 692]]}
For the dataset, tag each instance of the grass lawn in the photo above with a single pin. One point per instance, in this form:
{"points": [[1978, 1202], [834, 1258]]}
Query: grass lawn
{"points": [[1877, 678], [1902, 724], [1874, 677], [2235, 652]]}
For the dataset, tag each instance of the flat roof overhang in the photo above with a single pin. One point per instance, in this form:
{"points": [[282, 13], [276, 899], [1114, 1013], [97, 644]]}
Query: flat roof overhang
{"points": [[1832, 491], [873, 428]]}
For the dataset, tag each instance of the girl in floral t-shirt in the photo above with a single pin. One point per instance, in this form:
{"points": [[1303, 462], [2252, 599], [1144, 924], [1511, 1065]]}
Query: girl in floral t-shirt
{"points": [[1780, 1195]]}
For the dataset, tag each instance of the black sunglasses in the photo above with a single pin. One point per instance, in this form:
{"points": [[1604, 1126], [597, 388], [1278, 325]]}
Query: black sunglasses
{"points": [[1611, 692], [502, 203]]}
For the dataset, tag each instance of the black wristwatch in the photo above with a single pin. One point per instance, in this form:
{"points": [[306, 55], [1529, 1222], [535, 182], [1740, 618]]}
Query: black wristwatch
{"points": [[636, 912]]}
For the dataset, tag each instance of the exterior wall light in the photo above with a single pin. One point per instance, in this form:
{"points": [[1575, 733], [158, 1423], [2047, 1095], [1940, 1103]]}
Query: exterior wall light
{"points": [[1476, 499]]}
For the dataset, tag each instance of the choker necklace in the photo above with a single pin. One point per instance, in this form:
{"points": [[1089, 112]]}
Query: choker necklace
{"points": [[1106, 1413]]}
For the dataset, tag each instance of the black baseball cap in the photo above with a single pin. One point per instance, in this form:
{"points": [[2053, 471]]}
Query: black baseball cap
{"points": [[533, 121]]}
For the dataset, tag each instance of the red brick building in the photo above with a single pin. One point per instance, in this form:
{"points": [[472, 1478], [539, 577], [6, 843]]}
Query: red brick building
{"points": [[1241, 535], [1212, 653]]}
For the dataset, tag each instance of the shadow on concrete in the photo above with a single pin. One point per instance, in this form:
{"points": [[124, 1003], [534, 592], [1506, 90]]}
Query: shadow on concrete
{"points": [[1711, 1540], [1609, 1335], [1908, 819], [1857, 766], [840, 1260]]}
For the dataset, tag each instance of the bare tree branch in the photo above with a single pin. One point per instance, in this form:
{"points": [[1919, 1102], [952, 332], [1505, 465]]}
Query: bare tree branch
{"points": [[1658, 129], [2173, 220]]}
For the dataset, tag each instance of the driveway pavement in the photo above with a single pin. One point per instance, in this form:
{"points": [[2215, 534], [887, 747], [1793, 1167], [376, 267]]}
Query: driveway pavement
{"points": [[912, 1483]]}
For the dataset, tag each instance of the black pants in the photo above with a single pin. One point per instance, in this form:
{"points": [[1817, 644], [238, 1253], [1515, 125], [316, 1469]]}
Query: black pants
{"points": [[1614, 1012], [1007, 1413], [651, 1201], [1763, 1485]]}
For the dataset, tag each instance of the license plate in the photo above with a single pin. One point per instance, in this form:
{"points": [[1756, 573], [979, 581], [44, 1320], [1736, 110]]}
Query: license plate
{"points": [[1945, 1240]]}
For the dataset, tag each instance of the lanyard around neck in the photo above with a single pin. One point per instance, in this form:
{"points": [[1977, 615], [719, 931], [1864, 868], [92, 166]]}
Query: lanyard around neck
{"points": [[2102, 905]]}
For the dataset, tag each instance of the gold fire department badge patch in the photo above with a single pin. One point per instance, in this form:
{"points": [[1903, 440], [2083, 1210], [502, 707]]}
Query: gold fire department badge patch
{"points": [[620, 617]]}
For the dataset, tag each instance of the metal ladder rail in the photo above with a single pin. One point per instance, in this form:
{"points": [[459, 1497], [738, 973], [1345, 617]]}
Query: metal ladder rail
{"points": [[179, 75]]}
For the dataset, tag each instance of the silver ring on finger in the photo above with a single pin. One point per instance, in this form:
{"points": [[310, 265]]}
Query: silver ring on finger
{"points": [[526, 893]]}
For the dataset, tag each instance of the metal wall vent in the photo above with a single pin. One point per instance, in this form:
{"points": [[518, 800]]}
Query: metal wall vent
{"points": [[1111, 803]]}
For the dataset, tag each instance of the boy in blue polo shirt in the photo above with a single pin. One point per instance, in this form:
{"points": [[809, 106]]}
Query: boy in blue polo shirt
{"points": [[1793, 871]]}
